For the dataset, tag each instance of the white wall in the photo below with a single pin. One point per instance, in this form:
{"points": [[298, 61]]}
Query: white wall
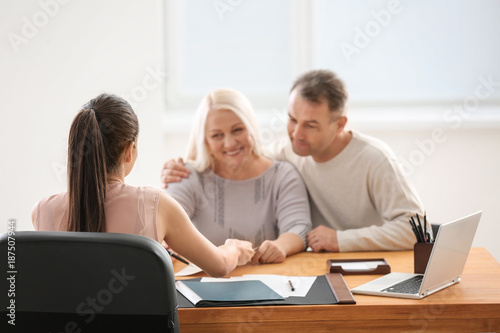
{"points": [[85, 48]]}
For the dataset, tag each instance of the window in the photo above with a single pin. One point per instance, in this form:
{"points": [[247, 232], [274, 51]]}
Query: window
{"points": [[390, 53], [408, 52]]}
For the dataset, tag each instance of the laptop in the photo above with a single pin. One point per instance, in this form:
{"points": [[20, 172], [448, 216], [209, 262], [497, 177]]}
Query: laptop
{"points": [[446, 264]]}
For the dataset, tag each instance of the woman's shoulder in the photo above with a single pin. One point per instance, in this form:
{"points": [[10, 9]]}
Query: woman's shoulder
{"points": [[123, 187], [280, 172], [143, 190], [49, 210], [60, 199], [284, 167], [193, 182], [122, 193], [284, 176]]}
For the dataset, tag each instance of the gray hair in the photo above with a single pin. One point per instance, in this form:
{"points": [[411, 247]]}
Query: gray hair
{"points": [[320, 84]]}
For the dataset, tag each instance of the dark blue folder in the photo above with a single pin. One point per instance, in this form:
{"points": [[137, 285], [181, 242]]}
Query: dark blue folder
{"points": [[226, 293]]}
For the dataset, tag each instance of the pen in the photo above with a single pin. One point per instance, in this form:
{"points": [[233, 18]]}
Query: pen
{"points": [[420, 229], [414, 226], [291, 285], [178, 257], [411, 225], [425, 228]]}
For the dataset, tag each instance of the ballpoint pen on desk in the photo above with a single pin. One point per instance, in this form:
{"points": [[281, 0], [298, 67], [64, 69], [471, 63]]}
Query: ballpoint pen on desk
{"points": [[178, 257]]}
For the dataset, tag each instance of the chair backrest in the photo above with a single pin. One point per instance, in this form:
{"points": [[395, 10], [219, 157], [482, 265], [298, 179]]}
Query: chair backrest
{"points": [[86, 282]]}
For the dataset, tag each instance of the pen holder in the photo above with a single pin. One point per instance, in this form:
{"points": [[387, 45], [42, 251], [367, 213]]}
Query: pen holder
{"points": [[421, 254]]}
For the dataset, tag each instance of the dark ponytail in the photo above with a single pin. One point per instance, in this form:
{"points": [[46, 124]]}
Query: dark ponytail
{"points": [[99, 134]]}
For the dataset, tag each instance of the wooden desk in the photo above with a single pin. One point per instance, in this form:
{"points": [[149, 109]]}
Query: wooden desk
{"points": [[473, 305]]}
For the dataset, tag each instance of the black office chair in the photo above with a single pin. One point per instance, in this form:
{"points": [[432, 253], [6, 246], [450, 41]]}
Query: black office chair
{"points": [[86, 282]]}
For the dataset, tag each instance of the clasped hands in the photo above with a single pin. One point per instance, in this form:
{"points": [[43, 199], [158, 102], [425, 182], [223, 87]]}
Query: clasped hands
{"points": [[320, 239], [267, 253]]}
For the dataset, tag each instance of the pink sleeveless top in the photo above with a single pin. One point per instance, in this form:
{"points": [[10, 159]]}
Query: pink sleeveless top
{"points": [[128, 209]]}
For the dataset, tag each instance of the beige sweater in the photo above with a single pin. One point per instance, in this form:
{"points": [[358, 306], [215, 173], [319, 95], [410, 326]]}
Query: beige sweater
{"points": [[362, 193]]}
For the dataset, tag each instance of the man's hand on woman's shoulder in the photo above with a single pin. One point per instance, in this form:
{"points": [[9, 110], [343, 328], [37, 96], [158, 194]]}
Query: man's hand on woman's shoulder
{"points": [[173, 171]]}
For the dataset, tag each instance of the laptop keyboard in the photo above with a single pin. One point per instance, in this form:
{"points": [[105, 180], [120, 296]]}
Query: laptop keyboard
{"points": [[409, 286]]}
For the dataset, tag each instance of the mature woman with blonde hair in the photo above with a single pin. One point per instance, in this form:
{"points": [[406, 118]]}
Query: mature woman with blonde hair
{"points": [[233, 190]]}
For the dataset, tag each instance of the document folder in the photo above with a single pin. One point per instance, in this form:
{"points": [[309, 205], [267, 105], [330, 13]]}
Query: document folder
{"points": [[327, 289], [230, 293]]}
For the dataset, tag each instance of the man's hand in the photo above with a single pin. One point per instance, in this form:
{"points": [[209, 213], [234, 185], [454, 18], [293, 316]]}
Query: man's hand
{"points": [[323, 239], [173, 171], [269, 252]]}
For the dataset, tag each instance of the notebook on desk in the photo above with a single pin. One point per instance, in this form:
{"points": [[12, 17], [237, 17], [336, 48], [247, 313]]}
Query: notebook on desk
{"points": [[446, 263]]}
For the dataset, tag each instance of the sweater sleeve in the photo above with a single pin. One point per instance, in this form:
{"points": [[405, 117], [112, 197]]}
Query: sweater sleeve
{"points": [[292, 204], [393, 197], [184, 192]]}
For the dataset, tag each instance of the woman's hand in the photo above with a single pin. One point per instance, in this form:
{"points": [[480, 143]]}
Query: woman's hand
{"points": [[269, 252], [244, 248], [276, 251]]}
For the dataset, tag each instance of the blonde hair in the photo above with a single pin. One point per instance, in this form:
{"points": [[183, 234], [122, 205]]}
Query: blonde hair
{"points": [[198, 154]]}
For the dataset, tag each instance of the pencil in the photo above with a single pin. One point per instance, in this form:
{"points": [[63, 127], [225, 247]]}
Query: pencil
{"points": [[420, 229], [413, 227]]}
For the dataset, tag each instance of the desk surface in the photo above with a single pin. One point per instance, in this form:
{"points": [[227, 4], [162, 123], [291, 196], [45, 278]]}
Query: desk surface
{"points": [[472, 305]]}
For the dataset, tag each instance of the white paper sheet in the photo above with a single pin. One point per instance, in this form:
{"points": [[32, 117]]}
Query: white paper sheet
{"points": [[279, 283], [189, 270]]}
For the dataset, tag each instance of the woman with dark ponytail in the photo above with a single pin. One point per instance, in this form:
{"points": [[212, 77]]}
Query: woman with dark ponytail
{"points": [[102, 150], [101, 131]]}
